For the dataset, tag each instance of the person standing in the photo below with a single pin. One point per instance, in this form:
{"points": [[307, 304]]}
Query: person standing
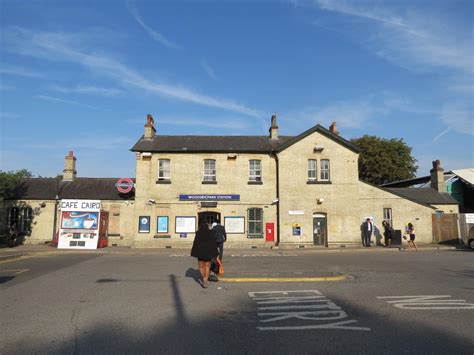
{"points": [[204, 249], [221, 237], [411, 232], [388, 233], [368, 230]]}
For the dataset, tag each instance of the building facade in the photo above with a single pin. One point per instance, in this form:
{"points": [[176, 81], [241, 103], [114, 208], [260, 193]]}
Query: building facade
{"points": [[266, 190]]}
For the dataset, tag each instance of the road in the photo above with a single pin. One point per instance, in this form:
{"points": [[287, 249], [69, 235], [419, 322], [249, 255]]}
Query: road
{"points": [[150, 302]]}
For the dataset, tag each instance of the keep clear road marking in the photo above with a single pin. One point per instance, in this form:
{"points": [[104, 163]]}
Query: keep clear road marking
{"points": [[300, 310], [426, 302]]}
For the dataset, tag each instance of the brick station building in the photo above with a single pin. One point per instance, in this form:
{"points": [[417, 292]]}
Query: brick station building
{"points": [[269, 190]]}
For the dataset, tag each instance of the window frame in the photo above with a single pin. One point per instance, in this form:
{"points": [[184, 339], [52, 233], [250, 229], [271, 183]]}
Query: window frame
{"points": [[255, 225], [22, 216], [209, 173], [325, 170], [164, 170], [388, 216], [253, 176], [311, 169]]}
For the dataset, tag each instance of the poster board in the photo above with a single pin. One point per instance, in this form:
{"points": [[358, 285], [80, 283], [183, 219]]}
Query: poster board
{"points": [[185, 224], [234, 225], [79, 225], [144, 224], [162, 224]]}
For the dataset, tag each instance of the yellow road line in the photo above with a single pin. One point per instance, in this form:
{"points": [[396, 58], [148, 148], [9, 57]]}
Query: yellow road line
{"points": [[283, 279], [29, 256]]}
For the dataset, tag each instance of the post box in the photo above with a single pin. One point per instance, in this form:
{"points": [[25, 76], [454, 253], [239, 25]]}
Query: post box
{"points": [[270, 232]]}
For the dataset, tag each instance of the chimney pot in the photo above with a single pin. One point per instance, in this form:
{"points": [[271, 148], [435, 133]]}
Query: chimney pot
{"points": [[149, 127], [437, 177], [69, 172], [273, 128], [333, 128]]}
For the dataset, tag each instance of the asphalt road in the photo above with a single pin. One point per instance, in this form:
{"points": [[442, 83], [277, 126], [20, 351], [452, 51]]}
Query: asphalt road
{"points": [[133, 302]]}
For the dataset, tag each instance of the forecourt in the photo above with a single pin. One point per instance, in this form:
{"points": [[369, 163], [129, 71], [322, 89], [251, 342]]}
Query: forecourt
{"points": [[150, 302]]}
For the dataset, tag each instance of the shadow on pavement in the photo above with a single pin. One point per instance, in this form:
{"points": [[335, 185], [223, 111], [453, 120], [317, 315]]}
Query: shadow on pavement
{"points": [[234, 331], [194, 274]]}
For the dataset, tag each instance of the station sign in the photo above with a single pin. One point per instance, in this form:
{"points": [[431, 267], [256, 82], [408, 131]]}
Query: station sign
{"points": [[204, 197], [124, 185]]}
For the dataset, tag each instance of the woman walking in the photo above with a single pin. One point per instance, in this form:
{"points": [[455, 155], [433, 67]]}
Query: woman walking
{"points": [[204, 249], [411, 232]]}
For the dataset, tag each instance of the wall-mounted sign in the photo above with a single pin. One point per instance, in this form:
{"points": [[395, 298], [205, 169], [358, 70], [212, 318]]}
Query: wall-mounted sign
{"points": [[209, 197], [81, 205], [124, 185], [144, 224], [295, 212], [207, 204], [162, 224], [296, 229], [185, 225], [469, 217], [234, 224]]}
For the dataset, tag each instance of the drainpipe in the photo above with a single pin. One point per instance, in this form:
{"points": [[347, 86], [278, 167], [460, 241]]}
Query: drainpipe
{"points": [[278, 197]]}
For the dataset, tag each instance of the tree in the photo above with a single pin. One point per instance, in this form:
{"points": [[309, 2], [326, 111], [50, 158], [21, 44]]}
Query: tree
{"points": [[11, 179], [384, 160]]}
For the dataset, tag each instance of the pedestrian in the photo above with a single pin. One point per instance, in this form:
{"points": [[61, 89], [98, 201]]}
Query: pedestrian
{"points": [[388, 233], [410, 229], [204, 249], [368, 229], [221, 237]]}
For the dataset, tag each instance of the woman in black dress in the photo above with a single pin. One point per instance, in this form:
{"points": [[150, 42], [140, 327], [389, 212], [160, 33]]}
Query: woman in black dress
{"points": [[388, 233], [204, 249]]}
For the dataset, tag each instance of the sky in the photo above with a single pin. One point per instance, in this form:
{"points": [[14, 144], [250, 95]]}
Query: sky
{"points": [[83, 75]]}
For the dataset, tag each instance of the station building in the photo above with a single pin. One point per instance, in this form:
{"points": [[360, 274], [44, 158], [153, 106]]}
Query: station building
{"points": [[269, 190]]}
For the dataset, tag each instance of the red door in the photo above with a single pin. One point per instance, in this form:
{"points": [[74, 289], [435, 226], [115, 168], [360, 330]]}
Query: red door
{"points": [[270, 232]]}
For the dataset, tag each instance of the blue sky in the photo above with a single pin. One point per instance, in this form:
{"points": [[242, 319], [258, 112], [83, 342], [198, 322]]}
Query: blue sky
{"points": [[83, 75]]}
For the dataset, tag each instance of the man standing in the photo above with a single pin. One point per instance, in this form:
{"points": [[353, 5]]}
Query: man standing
{"points": [[221, 237], [368, 230]]}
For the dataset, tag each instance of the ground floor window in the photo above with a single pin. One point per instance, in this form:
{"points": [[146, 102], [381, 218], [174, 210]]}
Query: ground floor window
{"points": [[20, 218], [255, 223]]}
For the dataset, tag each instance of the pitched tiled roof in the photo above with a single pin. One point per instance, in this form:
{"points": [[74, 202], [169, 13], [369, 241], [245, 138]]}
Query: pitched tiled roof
{"points": [[234, 144], [427, 196], [80, 188], [229, 144]]}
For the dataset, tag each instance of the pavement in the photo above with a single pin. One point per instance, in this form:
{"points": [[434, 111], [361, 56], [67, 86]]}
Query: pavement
{"points": [[22, 251]]}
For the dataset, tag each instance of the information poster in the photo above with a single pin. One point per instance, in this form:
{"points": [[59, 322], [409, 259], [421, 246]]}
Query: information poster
{"points": [[296, 229], [162, 224], [144, 224], [185, 225], [235, 225], [79, 226]]}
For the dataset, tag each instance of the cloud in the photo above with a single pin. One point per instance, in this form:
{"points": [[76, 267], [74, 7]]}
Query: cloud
{"points": [[89, 142], [355, 113], [459, 116], [412, 39], [62, 101], [209, 70], [210, 122], [438, 136], [61, 47], [17, 71], [153, 34], [82, 89]]}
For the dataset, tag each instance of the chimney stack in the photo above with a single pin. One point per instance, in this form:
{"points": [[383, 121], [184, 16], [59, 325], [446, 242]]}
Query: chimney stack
{"points": [[437, 177], [333, 128], [69, 172], [149, 127], [274, 128]]}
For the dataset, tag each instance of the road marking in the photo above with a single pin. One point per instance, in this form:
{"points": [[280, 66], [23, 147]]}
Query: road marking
{"points": [[252, 255], [283, 279], [426, 302], [16, 271], [29, 256], [300, 310]]}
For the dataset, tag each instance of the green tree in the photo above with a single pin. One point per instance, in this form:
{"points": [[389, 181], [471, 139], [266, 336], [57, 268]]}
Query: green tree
{"points": [[384, 160], [11, 179]]}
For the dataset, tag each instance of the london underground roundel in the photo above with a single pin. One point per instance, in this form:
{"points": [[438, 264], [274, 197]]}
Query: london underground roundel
{"points": [[124, 185]]}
